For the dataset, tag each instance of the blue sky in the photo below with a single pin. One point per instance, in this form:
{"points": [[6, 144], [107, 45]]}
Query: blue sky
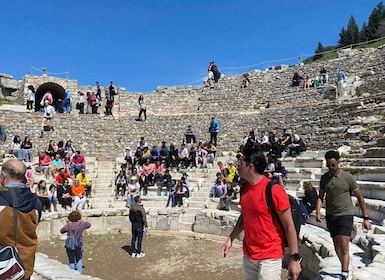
{"points": [[140, 44]]}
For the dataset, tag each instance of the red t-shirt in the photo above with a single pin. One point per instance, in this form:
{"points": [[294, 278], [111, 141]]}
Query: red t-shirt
{"points": [[263, 237], [60, 178]]}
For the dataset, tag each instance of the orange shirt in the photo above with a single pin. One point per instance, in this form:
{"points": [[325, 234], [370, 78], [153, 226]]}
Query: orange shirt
{"points": [[78, 190]]}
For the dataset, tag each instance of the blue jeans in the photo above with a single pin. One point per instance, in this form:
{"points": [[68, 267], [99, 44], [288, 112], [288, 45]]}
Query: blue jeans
{"points": [[75, 258], [137, 236], [171, 198]]}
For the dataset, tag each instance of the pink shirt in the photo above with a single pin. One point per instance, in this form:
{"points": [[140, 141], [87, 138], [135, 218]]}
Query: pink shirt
{"points": [[78, 160]]}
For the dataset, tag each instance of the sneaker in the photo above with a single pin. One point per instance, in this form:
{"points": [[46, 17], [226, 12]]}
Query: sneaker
{"points": [[140, 255], [133, 255]]}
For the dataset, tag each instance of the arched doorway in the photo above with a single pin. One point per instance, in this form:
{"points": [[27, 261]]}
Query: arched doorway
{"points": [[58, 94]]}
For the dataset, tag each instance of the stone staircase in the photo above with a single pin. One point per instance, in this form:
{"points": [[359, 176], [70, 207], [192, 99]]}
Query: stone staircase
{"points": [[103, 195]]}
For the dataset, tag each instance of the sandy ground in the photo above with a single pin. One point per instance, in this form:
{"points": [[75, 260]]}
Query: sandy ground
{"points": [[168, 256]]}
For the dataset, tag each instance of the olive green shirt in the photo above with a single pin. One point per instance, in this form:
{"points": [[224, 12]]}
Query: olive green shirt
{"points": [[338, 191]]}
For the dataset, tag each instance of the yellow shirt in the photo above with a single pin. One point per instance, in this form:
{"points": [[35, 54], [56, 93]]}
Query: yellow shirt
{"points": [[83, 179]]}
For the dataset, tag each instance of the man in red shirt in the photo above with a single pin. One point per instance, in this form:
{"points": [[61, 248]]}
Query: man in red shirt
{"points": [[263, 243], [61, 176]]}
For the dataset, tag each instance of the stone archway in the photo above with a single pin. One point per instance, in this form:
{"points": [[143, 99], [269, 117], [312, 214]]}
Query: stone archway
{"points": [[58, 93]]}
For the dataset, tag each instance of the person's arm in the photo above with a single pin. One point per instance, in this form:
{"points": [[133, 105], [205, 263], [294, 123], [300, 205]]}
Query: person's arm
{"points": [[320, 201], [229, 241], [143, 216], [366, 224], [291, 236]]}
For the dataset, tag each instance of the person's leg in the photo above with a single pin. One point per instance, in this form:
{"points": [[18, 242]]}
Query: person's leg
{"points": [[341, 246], [133, 239], [71, 258], [140, 238], [270, 269], [81, 203], [79, 259], [145, 114], [75, 203]]}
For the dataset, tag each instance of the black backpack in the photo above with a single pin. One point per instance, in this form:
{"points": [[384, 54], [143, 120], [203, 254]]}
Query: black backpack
{"points": [[295, 210]]}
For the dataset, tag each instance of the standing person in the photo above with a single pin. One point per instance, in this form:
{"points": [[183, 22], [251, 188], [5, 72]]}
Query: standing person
{"points": [[3, 138], [213, 129], [142, 108], [139, 224], [98, 92], [30, 97], [81, 102], [12, 179], [264, 242], [75, 224], [47, 117], [338, 185], [341, 80]]}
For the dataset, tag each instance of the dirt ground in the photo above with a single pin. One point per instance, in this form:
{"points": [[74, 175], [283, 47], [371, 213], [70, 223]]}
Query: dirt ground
{"points": [[168, 256]]}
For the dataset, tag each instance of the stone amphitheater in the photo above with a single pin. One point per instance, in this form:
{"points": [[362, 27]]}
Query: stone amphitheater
{"points": [[352, 122]]}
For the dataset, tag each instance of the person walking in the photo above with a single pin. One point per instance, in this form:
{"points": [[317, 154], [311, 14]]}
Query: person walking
{"points": [[338, 186], [138, 226], [213, 129], [264, 242], [77, 225], [12, 187]]}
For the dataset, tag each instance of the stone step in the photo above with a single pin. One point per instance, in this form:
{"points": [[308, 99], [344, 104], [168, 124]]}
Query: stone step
{"points": [[196, 204]]}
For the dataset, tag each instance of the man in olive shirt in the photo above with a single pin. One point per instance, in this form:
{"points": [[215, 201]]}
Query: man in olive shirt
{"points": [[339, 185]]}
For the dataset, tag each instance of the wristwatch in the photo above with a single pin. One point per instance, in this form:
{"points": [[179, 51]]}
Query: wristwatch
{"points": [[295, 257], [366, 217]]}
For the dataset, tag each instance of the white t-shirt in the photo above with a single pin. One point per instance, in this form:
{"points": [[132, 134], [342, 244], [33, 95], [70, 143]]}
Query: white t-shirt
{"points": [[31, 95], [48, 111]]}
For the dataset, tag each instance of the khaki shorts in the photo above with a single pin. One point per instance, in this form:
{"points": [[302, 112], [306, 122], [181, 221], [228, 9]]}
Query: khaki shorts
{"points": [[269, 269]]}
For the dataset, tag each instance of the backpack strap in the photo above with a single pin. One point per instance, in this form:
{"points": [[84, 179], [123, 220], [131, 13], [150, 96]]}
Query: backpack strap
{"points": [[15, 206], [270, 203]]}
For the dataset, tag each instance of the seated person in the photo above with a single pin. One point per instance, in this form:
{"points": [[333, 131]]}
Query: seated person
{"points": [[179, 194], [127, 156], [57, 163], [138, 157], [42, 193], [77, 163], [245, 81], [51, 149], [166, 182], [280, 173], [45, 165], [163, 154], [172, 160], [121, 182], [158, 172], [297, 79], [146, 154], [183, 156], [133, 190], [310, 197], [270, 168], [224, 203], [217, 185], [52, 196], [243, 141], [186, 183], [154, 154], [232, 171], [285, 139], [67, 163], [30, 175], [142, 143], [64, 195], [297, 146], [324, 75], [85, 181], [200, 157], [189, 136], [61, 176], [78, 195], [211, 152], [147, 175]]}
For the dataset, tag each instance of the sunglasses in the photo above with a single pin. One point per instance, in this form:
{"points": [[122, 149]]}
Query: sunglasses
{"points": [[333, 165]]}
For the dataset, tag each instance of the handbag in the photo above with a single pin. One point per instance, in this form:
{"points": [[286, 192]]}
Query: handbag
{"points": [[11, 266]]}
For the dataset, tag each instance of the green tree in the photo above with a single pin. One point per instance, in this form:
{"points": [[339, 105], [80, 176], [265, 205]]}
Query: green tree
{"points": [[376, 17], [351, 35]]}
